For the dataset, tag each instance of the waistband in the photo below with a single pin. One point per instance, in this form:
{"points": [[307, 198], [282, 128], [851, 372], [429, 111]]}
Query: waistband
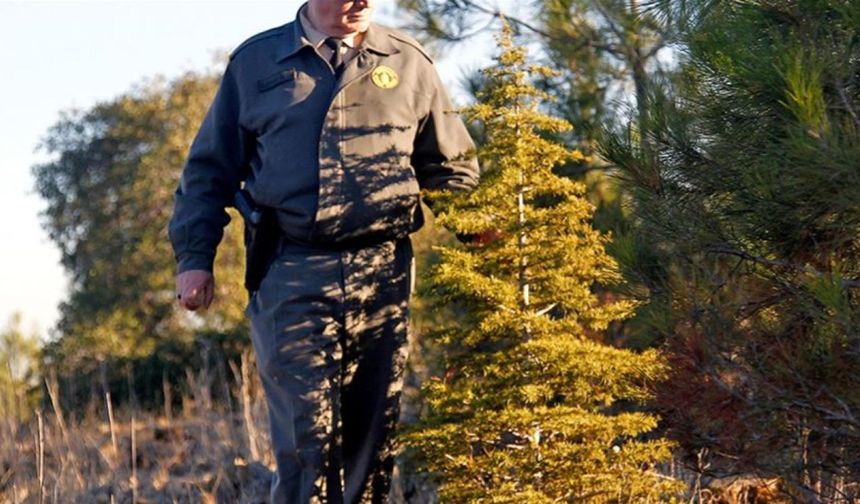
{"points": [[288, 243]]}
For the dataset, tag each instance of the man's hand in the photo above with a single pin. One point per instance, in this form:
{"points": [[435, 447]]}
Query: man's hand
{"points": [[195, 288], [480, 239], [486, 237]]}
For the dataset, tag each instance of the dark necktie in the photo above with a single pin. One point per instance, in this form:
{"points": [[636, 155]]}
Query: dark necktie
{"points": [[336, 59]]}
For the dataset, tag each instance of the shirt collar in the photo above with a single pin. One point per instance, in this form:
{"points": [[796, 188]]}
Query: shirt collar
{"points": [[315, 36], [294, 37]]}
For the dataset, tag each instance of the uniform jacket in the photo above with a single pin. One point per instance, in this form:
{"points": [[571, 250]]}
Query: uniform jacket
{"points": [[338, 159]]}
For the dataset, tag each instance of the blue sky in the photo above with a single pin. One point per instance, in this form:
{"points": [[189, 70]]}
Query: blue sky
{"points": [[62, 55]]}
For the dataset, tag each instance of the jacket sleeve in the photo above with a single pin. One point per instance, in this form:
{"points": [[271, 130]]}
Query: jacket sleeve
{"points": [[213, 171], [443, 153]]}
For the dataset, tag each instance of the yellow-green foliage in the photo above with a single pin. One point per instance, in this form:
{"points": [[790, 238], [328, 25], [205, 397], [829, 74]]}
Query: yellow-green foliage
{"points": [[529, 408], [19, 371]]}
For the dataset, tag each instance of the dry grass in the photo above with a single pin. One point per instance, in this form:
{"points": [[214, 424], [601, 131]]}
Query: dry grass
{"points": [[211, 452], [203, 455], [195, 458]]}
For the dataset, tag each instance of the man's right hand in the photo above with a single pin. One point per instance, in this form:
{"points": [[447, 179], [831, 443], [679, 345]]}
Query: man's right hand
{"points": [[481, 238], [195, 288], [488, 236]]}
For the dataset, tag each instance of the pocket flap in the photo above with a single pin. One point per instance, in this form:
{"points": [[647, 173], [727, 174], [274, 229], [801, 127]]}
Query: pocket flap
{"points": [[276, 79]]}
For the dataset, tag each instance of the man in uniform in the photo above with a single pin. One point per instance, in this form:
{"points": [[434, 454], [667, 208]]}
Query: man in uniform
{"points": [[334, 124]]}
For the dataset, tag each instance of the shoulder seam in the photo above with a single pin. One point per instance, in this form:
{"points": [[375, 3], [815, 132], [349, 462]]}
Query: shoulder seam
{"points": [[271, 32], [410, 41]]}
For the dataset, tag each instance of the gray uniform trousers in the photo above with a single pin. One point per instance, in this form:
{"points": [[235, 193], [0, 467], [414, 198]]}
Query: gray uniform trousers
{"points": [[329, 330]]}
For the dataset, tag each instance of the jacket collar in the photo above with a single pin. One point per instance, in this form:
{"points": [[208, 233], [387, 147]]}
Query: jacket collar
{"points": [[376, 39], [293, 39], [314, 36]]}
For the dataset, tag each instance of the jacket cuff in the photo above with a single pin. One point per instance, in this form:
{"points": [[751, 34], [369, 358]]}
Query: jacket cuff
{"points": [[194, 261]]}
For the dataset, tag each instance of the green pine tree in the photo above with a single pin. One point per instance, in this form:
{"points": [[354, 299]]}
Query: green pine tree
{"points": [[608, 54], [534, 408], [747, 201]]}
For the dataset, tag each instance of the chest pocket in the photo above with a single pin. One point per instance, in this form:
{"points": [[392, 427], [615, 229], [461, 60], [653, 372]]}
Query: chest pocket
{"points": [[287, 87], [275, 80]]}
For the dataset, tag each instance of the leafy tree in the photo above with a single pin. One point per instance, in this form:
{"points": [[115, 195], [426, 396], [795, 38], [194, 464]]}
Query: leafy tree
{"points": [[109, 192], [532, 408], [748, 205]]}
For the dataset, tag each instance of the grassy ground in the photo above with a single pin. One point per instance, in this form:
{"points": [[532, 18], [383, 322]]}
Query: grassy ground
{"points": [[198, 456], [211, 449], [217, 450], [204, 454]]}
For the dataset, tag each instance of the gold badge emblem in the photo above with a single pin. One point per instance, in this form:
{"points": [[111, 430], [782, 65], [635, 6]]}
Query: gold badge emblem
{"points": [[385, 77]]}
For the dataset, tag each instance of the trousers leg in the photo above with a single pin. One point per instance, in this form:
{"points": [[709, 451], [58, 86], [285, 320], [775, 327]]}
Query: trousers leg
{"points": [[296, 329], [377, 284], [329, 331]]}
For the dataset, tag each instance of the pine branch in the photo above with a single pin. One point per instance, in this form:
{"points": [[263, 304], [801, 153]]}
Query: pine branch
{"points": [[847, 283]]}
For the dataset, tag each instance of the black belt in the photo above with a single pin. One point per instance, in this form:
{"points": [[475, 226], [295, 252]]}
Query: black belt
{"points": [[287, 242]]}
